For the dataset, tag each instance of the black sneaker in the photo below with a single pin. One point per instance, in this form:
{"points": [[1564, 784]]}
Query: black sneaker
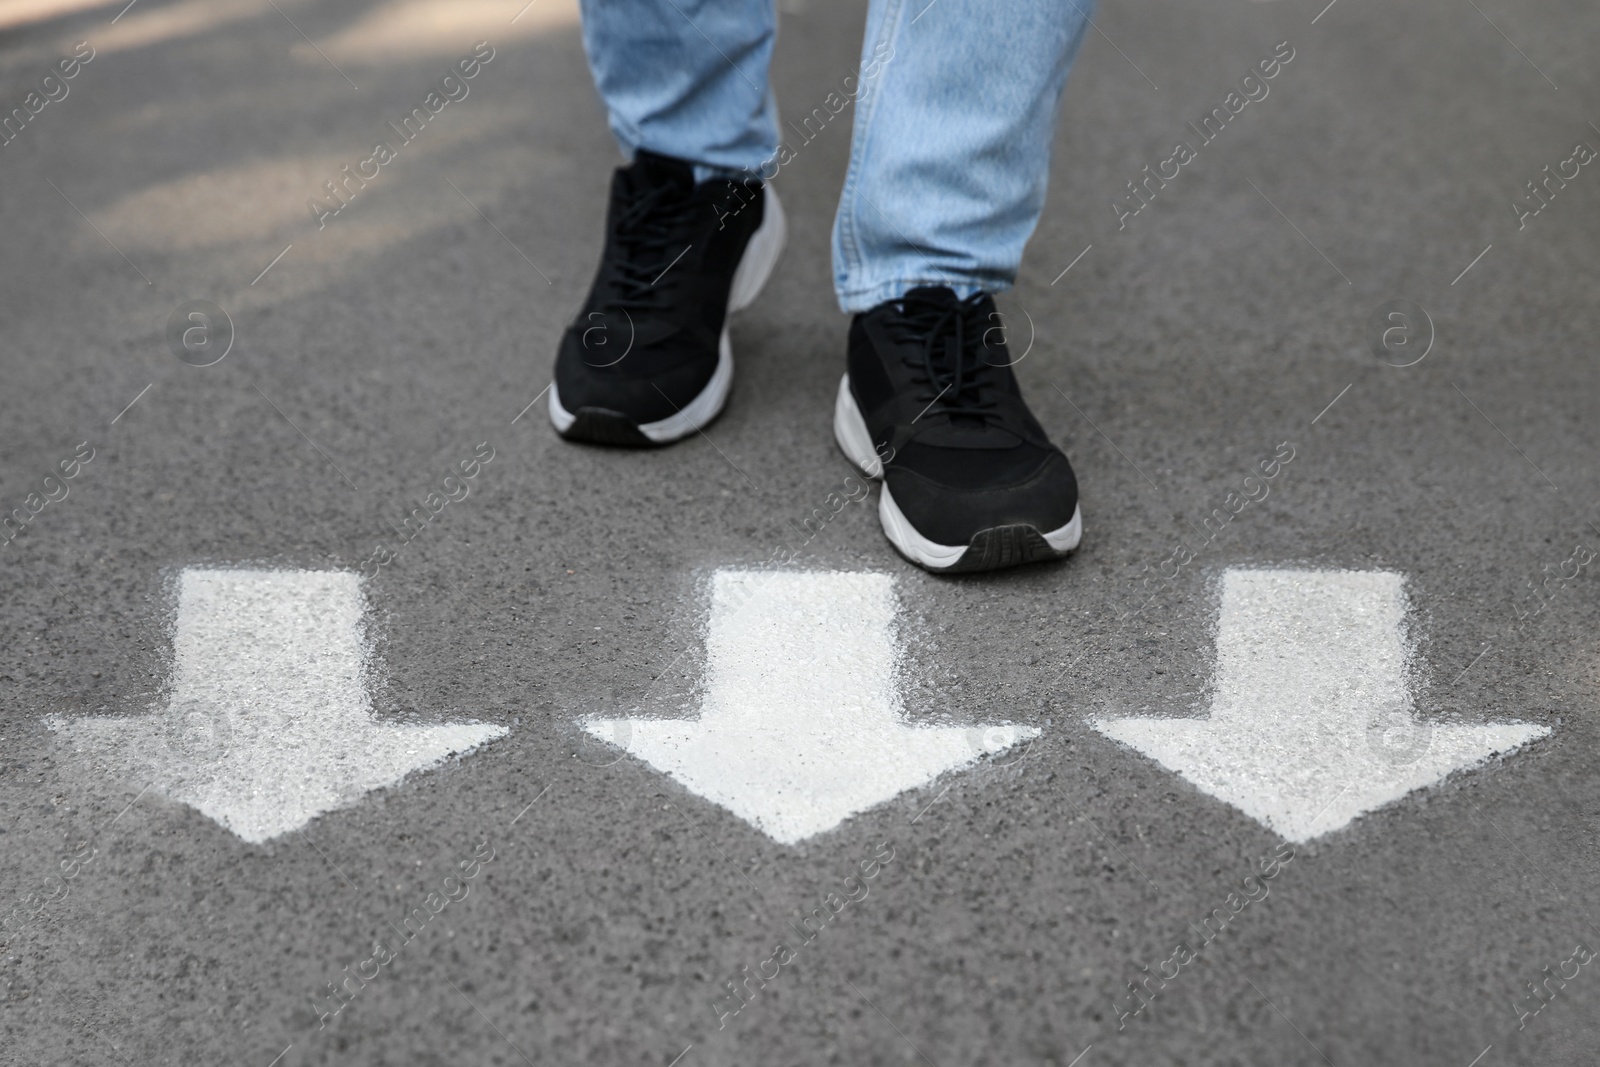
{"points": [[647, 361], [971, 482]]}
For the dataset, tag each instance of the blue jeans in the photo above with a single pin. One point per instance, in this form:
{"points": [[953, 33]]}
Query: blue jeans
{"points": [[955, 104]]}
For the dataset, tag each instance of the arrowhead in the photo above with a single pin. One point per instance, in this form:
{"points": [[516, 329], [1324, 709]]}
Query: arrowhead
{"points": [[1311, 722], [262, 785], [1303, 790], [792, 784], [800, 727], [270, 724]]}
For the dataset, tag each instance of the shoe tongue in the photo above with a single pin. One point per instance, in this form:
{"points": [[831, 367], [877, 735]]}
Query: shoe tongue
{"points": [[940, 294], [651, 170]]}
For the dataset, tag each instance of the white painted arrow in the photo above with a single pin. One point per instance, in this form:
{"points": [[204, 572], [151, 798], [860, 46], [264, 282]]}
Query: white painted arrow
{"points": [[1311, 718], [269, 723], [800, 725]]}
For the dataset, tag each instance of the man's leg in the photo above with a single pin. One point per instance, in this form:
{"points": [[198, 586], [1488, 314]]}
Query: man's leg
{"points": [[948, 162], [691, 233], [688, 79], [951, 147]]}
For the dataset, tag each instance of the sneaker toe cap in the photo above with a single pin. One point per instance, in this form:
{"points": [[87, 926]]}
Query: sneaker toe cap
{"points": [[643, 383], [1046, 499]]}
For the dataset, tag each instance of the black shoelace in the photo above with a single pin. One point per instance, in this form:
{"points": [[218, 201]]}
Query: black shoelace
{"points": [[649, 234], [951, 364]]}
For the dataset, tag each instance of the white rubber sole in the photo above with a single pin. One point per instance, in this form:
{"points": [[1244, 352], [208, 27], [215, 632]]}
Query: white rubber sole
{"points": [[755, 267], [850, 431]]}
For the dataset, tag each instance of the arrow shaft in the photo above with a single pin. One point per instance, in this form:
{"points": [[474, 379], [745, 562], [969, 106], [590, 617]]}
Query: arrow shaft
{"points": [[1329, 642], [800, 652], [270, 646]]}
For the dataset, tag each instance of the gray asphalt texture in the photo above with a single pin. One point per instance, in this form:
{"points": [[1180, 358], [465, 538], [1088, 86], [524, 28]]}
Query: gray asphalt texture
{"points": [[1021, 899]]}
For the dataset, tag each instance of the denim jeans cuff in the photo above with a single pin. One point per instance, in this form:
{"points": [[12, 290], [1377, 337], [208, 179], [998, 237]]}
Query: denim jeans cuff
{"points": [[704, 172]]}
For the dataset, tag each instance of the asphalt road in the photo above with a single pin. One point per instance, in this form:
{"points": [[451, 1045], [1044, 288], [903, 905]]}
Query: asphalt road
{"points": [[1241, 308]]}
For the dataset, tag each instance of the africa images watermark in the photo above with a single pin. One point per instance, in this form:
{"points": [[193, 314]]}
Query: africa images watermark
{"points": [[810, 128], [741, 992], [52, 88], [1254, 89], [835, 102], [385, 953], [33, 905], [55, 489], [456, 489], [783, 553], [1542, 191], [452, 88], [851, 491], [1183, 954], [1541, 596], [1542, 994], [1255, 490]]}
